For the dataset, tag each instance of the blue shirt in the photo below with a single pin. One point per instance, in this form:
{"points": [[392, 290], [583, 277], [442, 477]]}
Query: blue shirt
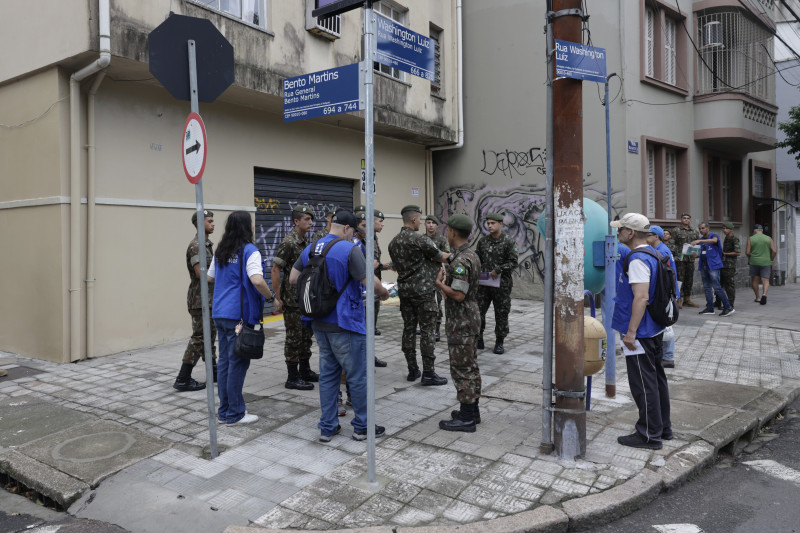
{"points": [[229, 280], [711, 254], [624, 300]]}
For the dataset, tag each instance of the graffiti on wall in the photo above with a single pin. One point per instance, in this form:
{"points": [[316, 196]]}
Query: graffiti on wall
{"points": [[511, 162]]}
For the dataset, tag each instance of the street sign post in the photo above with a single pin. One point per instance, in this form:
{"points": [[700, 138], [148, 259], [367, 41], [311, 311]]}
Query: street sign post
{"points": [[323, 93], [403, 49], [578, 61], [364, 178], [176, 48], [194, 148]]}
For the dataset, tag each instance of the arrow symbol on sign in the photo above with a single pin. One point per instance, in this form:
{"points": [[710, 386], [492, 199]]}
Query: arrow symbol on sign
{"points": [[195, 148]]}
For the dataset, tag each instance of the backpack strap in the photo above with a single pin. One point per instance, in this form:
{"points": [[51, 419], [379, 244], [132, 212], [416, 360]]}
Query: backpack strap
{"points": [[323, 254], [651, 253]]}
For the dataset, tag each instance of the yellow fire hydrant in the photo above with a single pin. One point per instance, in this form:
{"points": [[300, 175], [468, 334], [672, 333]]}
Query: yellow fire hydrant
{"points": [[594, 335]]}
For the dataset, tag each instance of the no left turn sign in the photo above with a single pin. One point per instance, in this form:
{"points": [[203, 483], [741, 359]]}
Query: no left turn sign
{"points": [[194, 148]]}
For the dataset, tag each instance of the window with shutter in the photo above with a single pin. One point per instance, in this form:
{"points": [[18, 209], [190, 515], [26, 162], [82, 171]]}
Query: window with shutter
{"points": [[671, 184], [670, 51], [649, 42], [651, 182]]}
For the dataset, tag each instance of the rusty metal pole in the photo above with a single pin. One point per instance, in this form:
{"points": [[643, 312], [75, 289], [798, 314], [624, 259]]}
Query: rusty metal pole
{"points": [[569, 419]]}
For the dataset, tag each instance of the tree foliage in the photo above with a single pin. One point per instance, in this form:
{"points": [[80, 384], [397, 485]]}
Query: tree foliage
{"points": [[791, 129]]}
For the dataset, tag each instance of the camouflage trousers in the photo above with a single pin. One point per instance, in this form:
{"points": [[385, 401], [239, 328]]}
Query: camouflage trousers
{"points": [[195, 350], [500, 297], [420, 311], [298, 337], [464, 371], [439, 316], [727, 277], [686, 277]]}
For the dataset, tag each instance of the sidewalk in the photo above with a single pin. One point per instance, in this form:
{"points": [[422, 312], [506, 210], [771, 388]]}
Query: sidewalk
{"points": [[110, 439]]}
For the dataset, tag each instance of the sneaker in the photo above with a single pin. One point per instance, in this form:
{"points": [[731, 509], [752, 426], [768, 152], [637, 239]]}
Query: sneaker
{"points": [[636, 440], [669, 364], [667, 435], [379, 432], [246, 419], [728, 312], [327, 438], [377, 332], [707, 311]]}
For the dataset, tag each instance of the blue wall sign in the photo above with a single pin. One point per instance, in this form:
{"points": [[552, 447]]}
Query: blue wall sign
{"points": [[318, 94], [633, 147], [574, 60], [403, 49]]}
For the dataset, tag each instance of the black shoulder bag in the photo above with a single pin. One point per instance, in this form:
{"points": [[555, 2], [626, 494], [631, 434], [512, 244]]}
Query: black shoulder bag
{"points": [[249, 339]]}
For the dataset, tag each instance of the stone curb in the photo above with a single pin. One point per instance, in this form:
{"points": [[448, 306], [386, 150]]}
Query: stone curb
{"points": [[54, 484]]}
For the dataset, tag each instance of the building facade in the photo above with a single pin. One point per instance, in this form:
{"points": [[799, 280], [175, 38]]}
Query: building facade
{"points": [[692, 118], [94, 202]]}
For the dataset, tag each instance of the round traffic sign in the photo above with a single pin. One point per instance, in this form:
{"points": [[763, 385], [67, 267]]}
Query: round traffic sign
{"points": [[193, 149]]}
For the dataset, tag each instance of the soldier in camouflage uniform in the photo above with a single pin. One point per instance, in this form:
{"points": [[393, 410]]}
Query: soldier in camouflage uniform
{"points": [[460, 288], [681, 235], [379, 218], [361, 237], [417, 261], [431, 223], [731, 250], [297, 348], [195, 350], [324, 231], [498, 254]]}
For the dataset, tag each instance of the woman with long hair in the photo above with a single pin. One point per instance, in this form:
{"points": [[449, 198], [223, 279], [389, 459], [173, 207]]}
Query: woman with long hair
{"points": [[239, 292]]}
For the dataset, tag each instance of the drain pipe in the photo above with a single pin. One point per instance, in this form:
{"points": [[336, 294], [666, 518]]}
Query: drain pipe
{"points": [[460, 63], [90, 212], [100, 63]]}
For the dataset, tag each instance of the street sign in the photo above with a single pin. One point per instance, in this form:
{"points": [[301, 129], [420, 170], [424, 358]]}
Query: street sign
{"points": [[578, 61], [403, 49], [193, 149], [329, 8], [323, 93], [169, 63], [364, 178]]}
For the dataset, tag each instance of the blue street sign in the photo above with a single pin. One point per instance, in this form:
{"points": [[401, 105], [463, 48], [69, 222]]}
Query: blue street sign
{"points": [[633, 147], [327, 92], [403, 49], [575, 60]]}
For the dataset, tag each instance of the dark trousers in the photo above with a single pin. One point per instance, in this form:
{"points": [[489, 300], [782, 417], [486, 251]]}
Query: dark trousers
{"points": [[649, 389]]}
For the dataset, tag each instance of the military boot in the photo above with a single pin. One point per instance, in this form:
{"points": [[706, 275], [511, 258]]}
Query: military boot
{"points": [[431, 378], [294, 381], [476, 412], [479, 345], [687, 301], [498, 347], [184, 382], [306, 373], [464, 422]]}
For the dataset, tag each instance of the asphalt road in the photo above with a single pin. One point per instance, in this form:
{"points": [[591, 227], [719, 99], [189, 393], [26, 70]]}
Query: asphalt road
{"points": [[18, 514], [758, 491]]}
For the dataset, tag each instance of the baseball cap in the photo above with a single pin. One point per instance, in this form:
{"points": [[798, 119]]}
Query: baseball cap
{"points": [[758, 226], [634, 221], [345, 218], [657, 230]]}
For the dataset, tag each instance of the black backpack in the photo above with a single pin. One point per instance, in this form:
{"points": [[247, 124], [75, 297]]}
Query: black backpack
{"points": [[664, 306], [316, 292]]}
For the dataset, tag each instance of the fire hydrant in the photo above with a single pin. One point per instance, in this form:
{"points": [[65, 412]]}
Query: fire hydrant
{"points": [[594, 335]]}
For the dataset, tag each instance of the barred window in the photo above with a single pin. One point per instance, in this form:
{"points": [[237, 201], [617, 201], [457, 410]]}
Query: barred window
{"points": [[436, 83], [253, 12]]}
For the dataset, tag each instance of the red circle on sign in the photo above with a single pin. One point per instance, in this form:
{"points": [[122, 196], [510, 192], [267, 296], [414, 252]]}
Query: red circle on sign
{"points": [[194, 117]]}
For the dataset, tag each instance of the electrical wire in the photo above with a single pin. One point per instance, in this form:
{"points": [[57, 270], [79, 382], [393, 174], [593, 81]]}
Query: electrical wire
{"points": [[31, 121], [776, 67]]}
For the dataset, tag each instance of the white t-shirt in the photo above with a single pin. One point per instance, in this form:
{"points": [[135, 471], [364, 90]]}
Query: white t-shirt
{"points": [[638, 272], [253, 265]]}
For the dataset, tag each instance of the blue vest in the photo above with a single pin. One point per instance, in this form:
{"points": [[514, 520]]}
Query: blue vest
{"points": [[227, 283], [349, 313], [663, 249], [712, 253], [624, 300]]}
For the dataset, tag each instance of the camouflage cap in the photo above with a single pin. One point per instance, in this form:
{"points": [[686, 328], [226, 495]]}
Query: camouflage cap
{"points": [[378, 214], [433, 219], [495, 216], [206, 214], [728, 225], [460, 222], [409, 208], [302, 208]]}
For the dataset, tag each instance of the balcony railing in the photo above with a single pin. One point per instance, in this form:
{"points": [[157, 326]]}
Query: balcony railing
{"points": [[735, 56]]}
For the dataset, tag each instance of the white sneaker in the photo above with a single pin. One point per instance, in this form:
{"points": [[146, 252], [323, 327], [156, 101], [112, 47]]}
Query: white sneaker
{"points": [[247, 419]]}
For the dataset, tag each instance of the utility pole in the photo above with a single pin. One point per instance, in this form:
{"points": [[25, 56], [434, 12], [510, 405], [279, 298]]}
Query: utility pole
{"points": [[569, 420]]}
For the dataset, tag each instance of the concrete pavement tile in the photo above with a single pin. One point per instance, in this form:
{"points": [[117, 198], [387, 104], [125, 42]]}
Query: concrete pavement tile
{"points": [[31, 419], [508, 504], [228, 499], [381, 506], [447, 486], [410, 516], [551, 497], [463, 512], [164, 475], [42, 478], [401, 491]]}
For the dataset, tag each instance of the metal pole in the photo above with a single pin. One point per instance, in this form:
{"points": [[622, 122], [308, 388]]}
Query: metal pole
{"points": [[546, 446], [369, 164], [569, 420], [201, 240], [611, 270]]}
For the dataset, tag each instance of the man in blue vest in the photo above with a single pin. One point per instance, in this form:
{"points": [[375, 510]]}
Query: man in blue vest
{"points": [[641, 337], [710, 267], [341, 335]]}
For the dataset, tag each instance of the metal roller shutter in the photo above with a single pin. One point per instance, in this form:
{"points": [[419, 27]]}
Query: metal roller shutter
{"points": [[276, 193]]}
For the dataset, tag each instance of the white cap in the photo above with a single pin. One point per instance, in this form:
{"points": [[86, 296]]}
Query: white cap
{"points": [[634, 221]]}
